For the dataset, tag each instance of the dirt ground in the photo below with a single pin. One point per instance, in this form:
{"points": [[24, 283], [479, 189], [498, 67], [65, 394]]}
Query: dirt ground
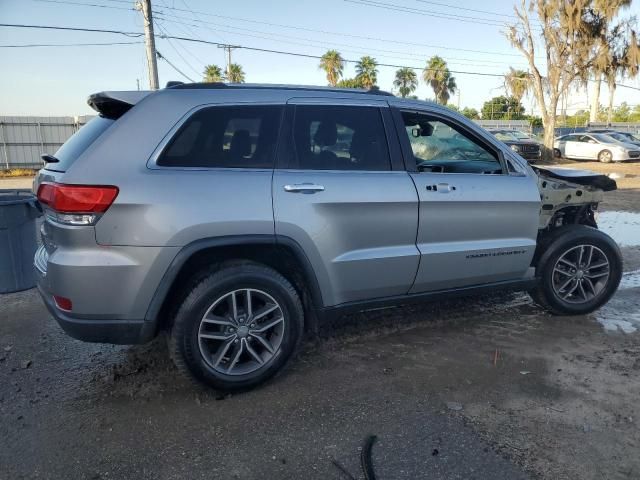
{"points": [[485, 387]]}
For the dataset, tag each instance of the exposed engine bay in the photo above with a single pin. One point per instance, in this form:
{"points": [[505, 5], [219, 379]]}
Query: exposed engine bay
{"points": [[570, 196]]}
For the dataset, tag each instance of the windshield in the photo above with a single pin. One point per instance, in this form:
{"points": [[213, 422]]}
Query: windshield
{"points": [[510, 135], [601, 137]]}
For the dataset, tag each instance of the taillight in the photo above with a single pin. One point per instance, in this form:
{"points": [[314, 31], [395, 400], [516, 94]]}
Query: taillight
{"points": [[76, 204]]}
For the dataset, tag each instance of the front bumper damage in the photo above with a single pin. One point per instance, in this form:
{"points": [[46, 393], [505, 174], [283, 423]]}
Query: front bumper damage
{"points": [[563, 188]]}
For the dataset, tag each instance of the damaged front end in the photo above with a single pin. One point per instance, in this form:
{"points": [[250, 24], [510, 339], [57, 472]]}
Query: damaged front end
{"points": [[570, 196]]}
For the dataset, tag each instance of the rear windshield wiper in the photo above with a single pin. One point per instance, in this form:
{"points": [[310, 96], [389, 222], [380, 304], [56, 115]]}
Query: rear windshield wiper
{"points": [[49, 158]]}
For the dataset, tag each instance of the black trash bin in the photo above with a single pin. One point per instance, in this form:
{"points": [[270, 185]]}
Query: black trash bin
{"points": [[19, 211]]}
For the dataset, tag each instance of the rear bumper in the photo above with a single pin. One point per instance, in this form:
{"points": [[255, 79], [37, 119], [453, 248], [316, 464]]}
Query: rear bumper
{"points": [[110, 289], [122, 332]]}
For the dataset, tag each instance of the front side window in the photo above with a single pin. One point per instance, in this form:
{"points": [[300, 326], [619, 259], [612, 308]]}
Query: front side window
{"points": [[225, 137], [444, 148], [339, 138]]}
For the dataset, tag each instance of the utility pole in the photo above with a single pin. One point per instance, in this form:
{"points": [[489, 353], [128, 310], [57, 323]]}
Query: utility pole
{"points": [[458, 99], [150, 42], [228, 49]]}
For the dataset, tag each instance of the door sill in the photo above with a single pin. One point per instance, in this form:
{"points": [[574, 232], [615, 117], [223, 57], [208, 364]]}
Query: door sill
{"points": [[397, 300]]}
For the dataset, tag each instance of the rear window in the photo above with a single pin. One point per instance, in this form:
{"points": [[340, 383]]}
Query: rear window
{"points": [[78, 143]]}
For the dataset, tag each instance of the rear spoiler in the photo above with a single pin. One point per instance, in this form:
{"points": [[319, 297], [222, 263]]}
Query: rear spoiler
{"points": [[115, 104]]}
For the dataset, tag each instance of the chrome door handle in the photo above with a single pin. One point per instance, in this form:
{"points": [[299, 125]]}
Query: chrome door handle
{"points": [[304, 188], [441, 187]]}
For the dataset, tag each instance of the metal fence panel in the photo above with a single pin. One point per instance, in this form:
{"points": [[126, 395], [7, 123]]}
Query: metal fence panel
{"points": [[24, 138]]}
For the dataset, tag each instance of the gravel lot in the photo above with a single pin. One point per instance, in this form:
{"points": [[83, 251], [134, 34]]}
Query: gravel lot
{"points": [[490, 387]]}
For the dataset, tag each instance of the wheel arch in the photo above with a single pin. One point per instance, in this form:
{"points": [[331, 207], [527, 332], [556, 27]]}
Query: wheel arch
{"points": [[544, 250], [283, 254]]}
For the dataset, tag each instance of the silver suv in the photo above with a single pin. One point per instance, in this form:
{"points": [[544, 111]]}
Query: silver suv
{"points": [[237, 217]]}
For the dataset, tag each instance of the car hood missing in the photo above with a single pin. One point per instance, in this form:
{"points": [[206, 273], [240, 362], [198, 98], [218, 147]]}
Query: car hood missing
{"points": [[579, 177]]}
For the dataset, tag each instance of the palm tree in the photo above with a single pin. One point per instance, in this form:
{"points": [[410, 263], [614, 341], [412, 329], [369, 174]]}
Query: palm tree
{"points": [[213, 73], [235, 74], [367, 71], [439, 77], [332, 63], [406, 81], [517, 83]]}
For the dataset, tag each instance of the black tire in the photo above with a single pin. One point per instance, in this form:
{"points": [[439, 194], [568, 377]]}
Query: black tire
{"points": [[228, 277], [605, 156], [557, 153], [558, 244]]}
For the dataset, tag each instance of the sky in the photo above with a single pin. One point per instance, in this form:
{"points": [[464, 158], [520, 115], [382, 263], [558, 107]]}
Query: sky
{"points": [[57, 80]]}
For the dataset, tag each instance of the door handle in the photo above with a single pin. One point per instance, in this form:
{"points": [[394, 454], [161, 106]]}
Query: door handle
{"points": [[304, 188], [441, 187]]}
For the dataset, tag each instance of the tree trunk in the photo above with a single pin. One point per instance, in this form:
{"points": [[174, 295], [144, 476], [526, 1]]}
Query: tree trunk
{"points": [[612, 92], [595, 101], [549, 121], [549, 137]]}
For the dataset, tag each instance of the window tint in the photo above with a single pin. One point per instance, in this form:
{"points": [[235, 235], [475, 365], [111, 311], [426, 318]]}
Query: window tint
{"points": [[339, 138], [443, 148], [78, 143], [225, 137]]}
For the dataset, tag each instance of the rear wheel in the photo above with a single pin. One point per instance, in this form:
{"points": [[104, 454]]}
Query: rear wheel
{"points": [[237, 327], [605, 156], [579, 271], [557, 153]]}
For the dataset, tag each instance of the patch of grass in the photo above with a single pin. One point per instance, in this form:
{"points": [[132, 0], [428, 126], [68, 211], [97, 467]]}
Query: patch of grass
{"points": [[18, 172]]}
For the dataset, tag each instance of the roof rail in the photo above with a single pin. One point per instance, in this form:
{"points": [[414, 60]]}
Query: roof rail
{"points": [[266, 86]]}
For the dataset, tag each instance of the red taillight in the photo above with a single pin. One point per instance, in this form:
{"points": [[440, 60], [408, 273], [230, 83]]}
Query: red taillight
{"points": [[77, 198], [63, 303]]}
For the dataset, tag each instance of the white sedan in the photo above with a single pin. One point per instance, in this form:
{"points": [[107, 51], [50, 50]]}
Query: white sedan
{"points": [[594, 146]]}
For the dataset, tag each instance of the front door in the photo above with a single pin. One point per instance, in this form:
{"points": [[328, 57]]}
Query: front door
{"points": [[336, 194], [478, 223]]}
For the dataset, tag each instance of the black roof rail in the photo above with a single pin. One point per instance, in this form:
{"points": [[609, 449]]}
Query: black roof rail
{"points": [[266, 86]]}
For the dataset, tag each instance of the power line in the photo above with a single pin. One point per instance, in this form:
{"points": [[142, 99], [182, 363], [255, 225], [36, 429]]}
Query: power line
{"points": [[82, 4], [163, 29], [255, 49], [426, 13], [29, 45], [327, 32], [353, 48], [466, 9], [162, 57], [73, 29]]}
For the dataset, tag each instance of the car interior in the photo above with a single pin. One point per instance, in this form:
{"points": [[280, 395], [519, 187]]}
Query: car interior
{"points": [[440, 148]]}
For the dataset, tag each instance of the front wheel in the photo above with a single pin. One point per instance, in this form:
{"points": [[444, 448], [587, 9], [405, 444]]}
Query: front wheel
{"points": [[237, 327], [605, 156], [579, 271]]}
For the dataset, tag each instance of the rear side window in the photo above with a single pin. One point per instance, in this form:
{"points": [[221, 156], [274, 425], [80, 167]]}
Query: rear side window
{"points": [[339, 138], [78, 143], [225, 137]]}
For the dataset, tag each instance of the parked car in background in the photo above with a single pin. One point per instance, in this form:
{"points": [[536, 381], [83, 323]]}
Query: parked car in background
{"points": [[595, 146], [519, 142], [626, 137]]}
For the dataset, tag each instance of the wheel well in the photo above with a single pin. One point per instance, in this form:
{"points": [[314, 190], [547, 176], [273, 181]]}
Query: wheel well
{"points": [[563, 218], [281, 258]]}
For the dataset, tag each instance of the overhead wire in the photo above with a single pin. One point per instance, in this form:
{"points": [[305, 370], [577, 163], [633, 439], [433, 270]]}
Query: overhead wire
{"points": [[256, 49]]}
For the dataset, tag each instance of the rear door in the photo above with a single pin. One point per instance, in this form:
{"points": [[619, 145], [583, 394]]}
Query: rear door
{"points": [[573, 147], [589, 147], [478, 223], [338, 194]]}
